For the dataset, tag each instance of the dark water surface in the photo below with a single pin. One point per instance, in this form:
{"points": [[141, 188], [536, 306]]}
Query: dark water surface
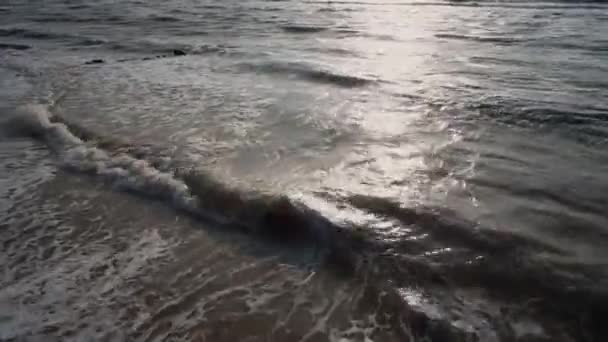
{"points": [[303, 171]]}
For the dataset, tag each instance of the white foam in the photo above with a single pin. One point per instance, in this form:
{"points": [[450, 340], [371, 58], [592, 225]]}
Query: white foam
{"points": [[122, 170]]}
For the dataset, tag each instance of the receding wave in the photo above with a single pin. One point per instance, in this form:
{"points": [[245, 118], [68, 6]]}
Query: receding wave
{"points": [[310, 73], [504, 264], [559, 293]]}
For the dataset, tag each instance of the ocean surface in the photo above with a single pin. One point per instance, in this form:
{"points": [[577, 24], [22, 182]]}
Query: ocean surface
{"points": [[198, 170]]}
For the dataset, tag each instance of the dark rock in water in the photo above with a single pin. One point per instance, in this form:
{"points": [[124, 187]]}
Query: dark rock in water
{"points": [[95, 61], [178, 52]]}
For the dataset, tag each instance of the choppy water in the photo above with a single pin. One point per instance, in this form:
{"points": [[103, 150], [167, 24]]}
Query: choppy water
{"points": [[303, 170]]}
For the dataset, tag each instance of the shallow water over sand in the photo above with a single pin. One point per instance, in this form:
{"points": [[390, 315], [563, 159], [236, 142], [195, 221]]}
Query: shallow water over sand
{"points": [[313, 171]]}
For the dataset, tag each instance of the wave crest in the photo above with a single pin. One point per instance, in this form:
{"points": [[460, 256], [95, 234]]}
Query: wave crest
{"points": [[192, 191]]}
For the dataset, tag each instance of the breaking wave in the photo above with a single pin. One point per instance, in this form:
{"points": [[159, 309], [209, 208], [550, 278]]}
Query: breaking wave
{"points": [[192, 191], [355, 250]]}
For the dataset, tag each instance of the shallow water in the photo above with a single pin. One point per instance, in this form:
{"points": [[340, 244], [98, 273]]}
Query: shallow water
{"points": [[302, 170]]}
